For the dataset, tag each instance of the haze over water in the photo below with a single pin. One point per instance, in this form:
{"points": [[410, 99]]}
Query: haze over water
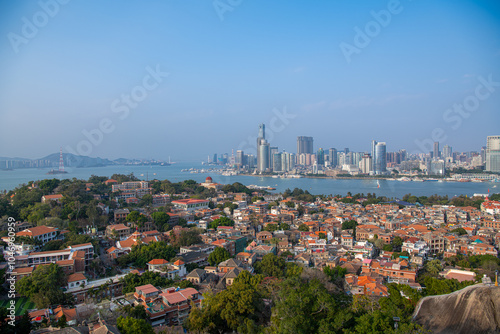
{"points": [[11, 179]]}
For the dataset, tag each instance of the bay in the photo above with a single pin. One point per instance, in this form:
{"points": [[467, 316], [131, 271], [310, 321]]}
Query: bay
{"points": [[389, 188]]}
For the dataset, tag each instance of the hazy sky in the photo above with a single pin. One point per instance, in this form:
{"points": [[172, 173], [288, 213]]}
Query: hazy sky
{"points": [[152, 79]]}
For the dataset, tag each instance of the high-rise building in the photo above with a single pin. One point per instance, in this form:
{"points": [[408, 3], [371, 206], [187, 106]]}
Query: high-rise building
{"points": [[447, 151], [380, 158], [320, 157], [365, 165], [240, 157], [250, 160], [435, 154], [493, 154], [356, 158], [402, 155], [436, 167], [262, 131], [333, 157], [272, 150], [215, 159], [304, 145], [263, 156], [277, 162], [348, 158], [374, 144], [346, 150]]}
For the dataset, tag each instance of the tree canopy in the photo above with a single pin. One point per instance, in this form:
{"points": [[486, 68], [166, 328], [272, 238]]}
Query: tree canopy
{"points": [[222, 221], [43, 286], [142, 254], [219, 255]]}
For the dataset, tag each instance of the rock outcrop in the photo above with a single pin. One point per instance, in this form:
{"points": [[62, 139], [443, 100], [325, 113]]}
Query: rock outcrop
{"points": [[474, 309]]}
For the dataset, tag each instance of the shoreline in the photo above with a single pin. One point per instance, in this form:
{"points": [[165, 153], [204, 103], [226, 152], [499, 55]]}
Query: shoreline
{"points": [[363, 178]]}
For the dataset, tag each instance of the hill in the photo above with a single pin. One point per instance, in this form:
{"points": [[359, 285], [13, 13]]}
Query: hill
{"points": [[71, 160]]}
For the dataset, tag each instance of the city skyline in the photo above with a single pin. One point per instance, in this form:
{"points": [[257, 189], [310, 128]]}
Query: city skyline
{"points": [[182, 79], [269, 159]]}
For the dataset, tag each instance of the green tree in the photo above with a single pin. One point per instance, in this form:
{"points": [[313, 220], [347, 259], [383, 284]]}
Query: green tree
{"points": [[131, 281], [433, 267], [188, 238], [336, 274], [136, 217], [303, 228], [160, 219], [62, 322], [306, 306], [24, 326], [349, 225], [460, 231], [219, 255], [284, 226], [138, 312], [146, 200], [43, 286], [222, 221], [236, 309], [142, 254], [130, 325], [271, 265]]}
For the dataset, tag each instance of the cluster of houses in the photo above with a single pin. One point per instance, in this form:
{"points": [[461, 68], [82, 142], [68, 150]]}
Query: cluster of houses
{"points": [[308, 233]]}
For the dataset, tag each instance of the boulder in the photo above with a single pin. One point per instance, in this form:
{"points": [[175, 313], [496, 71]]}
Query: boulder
{"points": [[474, 309]]}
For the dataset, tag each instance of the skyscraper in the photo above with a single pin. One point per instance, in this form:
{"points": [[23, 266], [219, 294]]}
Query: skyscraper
{"points": [[272, 151], [304, 145], [374, 143], [240, 157], [263, 153], [333, 157], [320, 157], [436, 150], [277, 163], [493, 154], [380, 158], [365, 165], [447, 151], [263, 156], [262, 131]]}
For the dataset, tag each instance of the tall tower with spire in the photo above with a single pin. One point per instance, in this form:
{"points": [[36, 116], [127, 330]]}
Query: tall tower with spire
{"points": [[61, 161]]}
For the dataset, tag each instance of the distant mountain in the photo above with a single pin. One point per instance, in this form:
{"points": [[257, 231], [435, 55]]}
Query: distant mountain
{"points": [[71, 160]]}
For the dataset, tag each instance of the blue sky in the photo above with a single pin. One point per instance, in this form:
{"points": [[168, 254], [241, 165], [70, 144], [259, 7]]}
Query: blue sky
{"points": [[225, 76]]}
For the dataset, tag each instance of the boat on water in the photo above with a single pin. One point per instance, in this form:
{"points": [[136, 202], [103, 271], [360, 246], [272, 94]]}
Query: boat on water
{"points": [[56, 171]]}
